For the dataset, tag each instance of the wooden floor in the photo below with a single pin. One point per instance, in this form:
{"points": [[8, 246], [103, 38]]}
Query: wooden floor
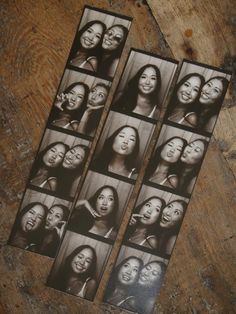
{"points": [[35, 40]]}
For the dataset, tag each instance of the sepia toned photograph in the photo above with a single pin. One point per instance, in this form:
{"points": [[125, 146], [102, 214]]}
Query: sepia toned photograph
{"points": [[122, 145], [59, 163], [79, 265], [100, 206], [135, 280], [79, 103], [198, 96], [144, 85], [99, 42], [177, 159], [40, 223], [156, 220]]}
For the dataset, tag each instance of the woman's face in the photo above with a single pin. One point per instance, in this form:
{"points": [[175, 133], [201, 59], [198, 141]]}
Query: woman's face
{"points": [[75, 97], [172, 214], [91, 36], [105, 202], [193, 152], [82, 261], [33, 218], [150, 274], [211, 91], [54, 216], [172, 150], [189, 90], [128, 273], [113, 37], [150, 211], [73, 158], [148, 81], [97, 96], [124, 142], [54, 156]]}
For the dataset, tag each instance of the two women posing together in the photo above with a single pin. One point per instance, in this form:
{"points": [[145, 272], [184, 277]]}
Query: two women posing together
{"points": [[196, 102]]}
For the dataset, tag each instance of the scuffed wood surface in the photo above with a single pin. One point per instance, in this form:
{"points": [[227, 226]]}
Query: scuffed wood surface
{"points": [[36, 37]]}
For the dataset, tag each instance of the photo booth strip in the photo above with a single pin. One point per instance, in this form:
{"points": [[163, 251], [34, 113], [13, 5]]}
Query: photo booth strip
{"points": [[70, 129], [170, 177], [107, 188]]}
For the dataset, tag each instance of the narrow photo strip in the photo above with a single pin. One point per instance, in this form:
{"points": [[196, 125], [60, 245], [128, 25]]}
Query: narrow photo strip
{"points": [[168, 184], [79, 265], [136, 280], [99, 42], [79, 103], [107, 188], [40, 223], [100, 206], [198, 96], [144, 85]]}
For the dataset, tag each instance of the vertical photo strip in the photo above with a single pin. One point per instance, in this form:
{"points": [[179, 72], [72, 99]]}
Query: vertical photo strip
{"points": [[167, 186], [116, 163], [70, 130]]}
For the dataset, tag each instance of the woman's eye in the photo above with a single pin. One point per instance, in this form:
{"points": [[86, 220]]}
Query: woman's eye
{"points": [[135, 270], [101, 95], [196, 89], [154, 78], [216, 90]]}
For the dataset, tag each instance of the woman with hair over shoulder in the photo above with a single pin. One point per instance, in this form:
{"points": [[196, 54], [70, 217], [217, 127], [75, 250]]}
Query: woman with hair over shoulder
{"points": [[122, 285], [184, 107], [98, 214], [141, 93], [45, 171], [28, 228], [87, 49], [144, 223], [160, 170], [119, 152], [77, 275]]}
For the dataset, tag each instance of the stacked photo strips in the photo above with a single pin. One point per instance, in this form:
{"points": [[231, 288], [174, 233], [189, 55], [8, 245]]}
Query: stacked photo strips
{"points": [[170, 176], [98, 212], [70, 130]]}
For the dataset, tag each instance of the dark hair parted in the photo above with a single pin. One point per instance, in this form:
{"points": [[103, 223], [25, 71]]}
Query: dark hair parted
{"points": [[157, 157], [128, 100], [77, 44], [106, 154]]}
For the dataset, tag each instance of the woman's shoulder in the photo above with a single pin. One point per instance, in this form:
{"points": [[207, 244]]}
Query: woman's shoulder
{"points": [[152, 241]]}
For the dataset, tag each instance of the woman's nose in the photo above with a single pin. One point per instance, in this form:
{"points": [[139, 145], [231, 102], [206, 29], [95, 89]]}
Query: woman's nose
{"points": [[147, 80], [104, 201]]}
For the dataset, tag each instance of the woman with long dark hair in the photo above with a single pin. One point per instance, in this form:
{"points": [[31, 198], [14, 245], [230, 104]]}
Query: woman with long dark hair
{"points": [[160, 169], [119, 152], [170, 222], [71, 170], [141, 93], [112, 46], [70, 106], [210, 101], [53, 230], [97, 214], [144, 223], [184, 108], [122, 285], [77, 275], [45, 170], [87, 48], [29, 225]]}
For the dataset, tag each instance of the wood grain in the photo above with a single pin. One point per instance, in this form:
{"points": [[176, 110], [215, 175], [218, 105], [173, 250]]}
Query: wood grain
{"points": [[36, 37]]}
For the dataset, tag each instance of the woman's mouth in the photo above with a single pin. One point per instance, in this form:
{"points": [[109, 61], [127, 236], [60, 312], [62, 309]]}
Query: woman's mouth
{"points": [[146, 216], [126, 277], [88, 42], [204, 96], [185, 96], [165, 219], [79, 267], [30, 224], [124, 147], [146, 88], [169, 154], [107, 42]]}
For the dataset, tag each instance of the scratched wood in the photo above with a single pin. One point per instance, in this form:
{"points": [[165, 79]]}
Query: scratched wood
{"points": [[36, 37]]}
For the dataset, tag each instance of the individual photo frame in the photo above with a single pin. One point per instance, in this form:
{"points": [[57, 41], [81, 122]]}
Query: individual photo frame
{"points": [[40, 223], [79, 103], [144, 85], [59, 163], [122, 145], [176, 160], [100, 206], [156, 220], [136, 280], [99, 42], [79, 265], [198, 96]]}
